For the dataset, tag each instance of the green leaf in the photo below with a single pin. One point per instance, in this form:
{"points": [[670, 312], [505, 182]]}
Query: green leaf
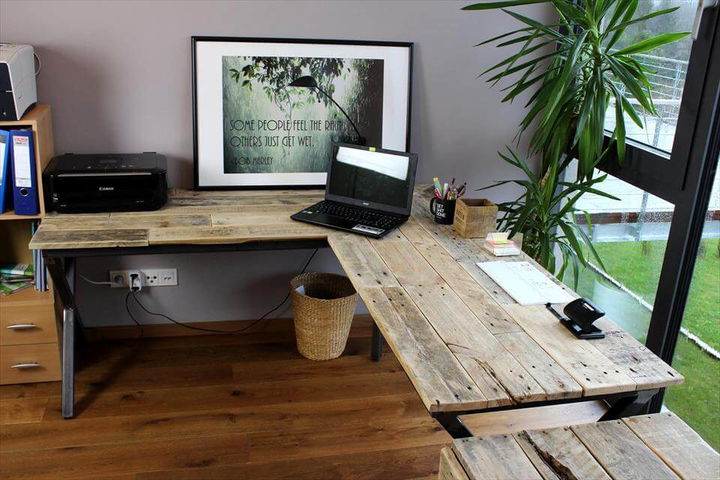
{"points": [[504, 4], [619, 129], [650, 43], [630, 110], [539, 26], [490, 40], [527, 49]]}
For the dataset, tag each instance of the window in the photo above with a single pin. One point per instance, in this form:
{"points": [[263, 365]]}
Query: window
{"points": [[668, 70], [696, 355], [662, 271]]}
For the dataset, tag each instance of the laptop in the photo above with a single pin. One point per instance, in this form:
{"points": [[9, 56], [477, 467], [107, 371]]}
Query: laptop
{"points": [[369, 191]]}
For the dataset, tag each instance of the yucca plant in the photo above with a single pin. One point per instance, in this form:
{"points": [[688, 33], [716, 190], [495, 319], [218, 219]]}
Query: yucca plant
{"points": [[546, 216], [575, 70]]}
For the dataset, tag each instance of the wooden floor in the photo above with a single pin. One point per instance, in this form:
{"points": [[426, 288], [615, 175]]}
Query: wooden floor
{"points": [[226, 407]]}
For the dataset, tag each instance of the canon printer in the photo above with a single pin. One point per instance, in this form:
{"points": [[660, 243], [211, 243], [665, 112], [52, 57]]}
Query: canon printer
{"points": [[105, 182]]}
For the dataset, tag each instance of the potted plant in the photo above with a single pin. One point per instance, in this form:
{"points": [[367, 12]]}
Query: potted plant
{"points": [[578, 74]]}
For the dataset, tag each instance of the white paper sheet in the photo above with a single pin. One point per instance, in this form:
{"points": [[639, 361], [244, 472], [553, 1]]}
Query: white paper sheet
{"points": [[525, 283]]}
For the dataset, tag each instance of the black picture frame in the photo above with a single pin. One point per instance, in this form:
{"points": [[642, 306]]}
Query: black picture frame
{"points": [[201, 179]]}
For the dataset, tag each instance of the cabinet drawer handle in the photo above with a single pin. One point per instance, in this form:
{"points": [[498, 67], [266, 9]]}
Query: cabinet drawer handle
{"points": [[21, 326], [25, 366]]}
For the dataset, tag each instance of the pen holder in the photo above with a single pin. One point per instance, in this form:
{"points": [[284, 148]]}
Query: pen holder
{"points": [[475, 217], [443, 210]]}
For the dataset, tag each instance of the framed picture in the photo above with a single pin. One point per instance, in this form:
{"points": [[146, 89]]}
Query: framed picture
{"points": [[266, 110]]}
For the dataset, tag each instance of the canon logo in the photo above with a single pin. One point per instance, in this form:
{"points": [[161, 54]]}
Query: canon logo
{"points": [[106, 189]]}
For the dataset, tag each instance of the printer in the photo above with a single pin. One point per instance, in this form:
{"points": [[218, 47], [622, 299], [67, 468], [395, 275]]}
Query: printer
{"points": [[105, 182], [18, 90]]}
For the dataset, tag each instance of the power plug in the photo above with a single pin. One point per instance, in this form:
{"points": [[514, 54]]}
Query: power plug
{"points": [[135, 280]]}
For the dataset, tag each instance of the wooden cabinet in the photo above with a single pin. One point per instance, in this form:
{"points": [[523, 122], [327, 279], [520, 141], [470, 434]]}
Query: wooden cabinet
{"points": [[28, 331]]}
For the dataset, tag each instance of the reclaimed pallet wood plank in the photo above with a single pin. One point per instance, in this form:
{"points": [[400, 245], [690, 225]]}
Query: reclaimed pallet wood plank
{"points": [[361, 262], [406, 263], [621, 453], [55, 239], [438, 377], [268, 217], [678, 445], [543, 468], [112, 222], [633, 358], [470, 292], [556, 382], [462, 250], [234, 234], [497, 457], [562, 453], [585, 363], [483, 357], [450, 468]]}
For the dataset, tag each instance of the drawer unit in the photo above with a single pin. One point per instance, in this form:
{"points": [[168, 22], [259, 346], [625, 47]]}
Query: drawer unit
{"points": [[27, 324], [29, 363]]}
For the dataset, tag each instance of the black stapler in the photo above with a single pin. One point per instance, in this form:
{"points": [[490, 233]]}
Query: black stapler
{"points": [[581, 314]]}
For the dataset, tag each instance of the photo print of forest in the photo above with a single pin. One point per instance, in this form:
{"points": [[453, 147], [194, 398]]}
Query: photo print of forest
{"points": [[270, 127]]}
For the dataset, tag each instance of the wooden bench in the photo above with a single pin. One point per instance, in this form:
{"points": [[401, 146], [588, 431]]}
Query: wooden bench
{"points": [[647, 447], [463, 342]]}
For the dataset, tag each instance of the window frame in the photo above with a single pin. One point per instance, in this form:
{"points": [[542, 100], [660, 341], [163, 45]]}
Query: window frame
{"points": [[684, 177]]}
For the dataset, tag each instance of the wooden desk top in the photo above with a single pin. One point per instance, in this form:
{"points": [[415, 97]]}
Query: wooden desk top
{"points": [[463, 342], [659, 446]]}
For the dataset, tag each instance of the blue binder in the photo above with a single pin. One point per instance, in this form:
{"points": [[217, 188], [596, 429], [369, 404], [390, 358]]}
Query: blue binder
{"points": [[5, 172], [25, 192]]}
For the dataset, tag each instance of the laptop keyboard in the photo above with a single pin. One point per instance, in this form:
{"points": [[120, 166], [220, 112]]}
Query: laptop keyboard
{"points": [[358, 215]]}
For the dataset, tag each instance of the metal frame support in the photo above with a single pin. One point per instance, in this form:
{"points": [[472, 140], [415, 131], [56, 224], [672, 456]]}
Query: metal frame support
{"points": [[452, 423], [56, 268], [68, 363], [376, 347], [630, 405]]}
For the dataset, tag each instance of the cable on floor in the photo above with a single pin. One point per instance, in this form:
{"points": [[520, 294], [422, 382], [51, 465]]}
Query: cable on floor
{"points": [[132, 317]]}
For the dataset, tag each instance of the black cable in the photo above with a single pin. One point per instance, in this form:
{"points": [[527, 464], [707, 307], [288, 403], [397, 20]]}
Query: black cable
{"points": [[202, 329], [127, 308]]}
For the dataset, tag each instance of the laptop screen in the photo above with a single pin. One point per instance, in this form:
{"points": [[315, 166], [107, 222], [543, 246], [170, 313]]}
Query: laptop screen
{"points": [[379, 179]]}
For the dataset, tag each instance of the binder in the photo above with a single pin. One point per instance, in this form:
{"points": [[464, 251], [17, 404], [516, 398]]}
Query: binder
{"points": [[5, 173], [25, 192]]}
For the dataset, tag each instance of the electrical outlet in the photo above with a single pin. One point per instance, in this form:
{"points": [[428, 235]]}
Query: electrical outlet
{"points": [[151, 277]]}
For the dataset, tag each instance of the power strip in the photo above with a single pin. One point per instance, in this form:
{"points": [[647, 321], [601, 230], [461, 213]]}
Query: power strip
{"points": [[149, 277]]}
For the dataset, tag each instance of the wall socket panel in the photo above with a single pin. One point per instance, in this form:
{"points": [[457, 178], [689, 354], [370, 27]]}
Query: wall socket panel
{"points": [[151, 277]]}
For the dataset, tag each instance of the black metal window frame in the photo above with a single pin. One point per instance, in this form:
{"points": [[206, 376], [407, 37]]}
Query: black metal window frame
{"points": [[684, 178]]}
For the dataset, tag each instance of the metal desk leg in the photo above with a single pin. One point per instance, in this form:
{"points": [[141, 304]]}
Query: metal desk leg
{"points": [[56, 269], [376, 348], [68, 363], [630, 405]]}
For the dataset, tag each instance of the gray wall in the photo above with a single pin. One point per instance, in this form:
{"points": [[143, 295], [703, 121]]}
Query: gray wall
{"points": [[117, 74]]}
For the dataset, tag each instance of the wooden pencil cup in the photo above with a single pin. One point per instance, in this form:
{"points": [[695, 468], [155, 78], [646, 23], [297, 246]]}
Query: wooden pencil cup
{"points": [[475, 217]]}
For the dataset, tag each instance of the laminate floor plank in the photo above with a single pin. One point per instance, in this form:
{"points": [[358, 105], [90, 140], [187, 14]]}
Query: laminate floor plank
{"points": [[394, 464]]}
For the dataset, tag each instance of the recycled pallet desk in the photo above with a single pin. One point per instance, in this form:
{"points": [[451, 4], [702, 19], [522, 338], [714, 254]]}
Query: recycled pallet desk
{"points": [[659, 446], [466, 345]]}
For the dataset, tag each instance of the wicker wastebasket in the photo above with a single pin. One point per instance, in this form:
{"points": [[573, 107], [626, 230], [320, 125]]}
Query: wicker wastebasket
{"points": [[323, 305]]}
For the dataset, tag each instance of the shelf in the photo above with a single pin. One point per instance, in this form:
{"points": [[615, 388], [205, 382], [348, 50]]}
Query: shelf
{"points": [[10, 215], [27, 296]]}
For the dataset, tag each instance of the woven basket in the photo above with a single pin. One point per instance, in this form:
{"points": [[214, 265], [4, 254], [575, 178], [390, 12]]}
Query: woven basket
{"points": [[323, 314]]}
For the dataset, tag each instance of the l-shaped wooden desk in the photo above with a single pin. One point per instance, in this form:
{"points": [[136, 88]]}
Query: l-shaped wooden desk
{"points": [[466, 346]]}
